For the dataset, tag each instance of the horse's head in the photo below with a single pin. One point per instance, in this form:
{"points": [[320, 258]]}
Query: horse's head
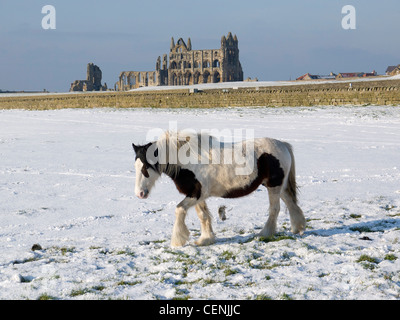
{"points": [[146, 170]]}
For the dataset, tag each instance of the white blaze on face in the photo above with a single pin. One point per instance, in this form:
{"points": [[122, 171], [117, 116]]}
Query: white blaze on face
{"points": [[144, 184]]}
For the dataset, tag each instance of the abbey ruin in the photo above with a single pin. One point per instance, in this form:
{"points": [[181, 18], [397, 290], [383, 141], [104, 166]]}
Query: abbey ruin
{"points": [[187, 66], [92, 82]]}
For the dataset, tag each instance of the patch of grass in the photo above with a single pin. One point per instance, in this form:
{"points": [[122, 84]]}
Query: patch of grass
{"points": [[79, 292], [63, 250], [390, 257], [355, 216], [159, 241], [262, 297], [286, 296], [209, 281], [367, 262], [181, 294], [98, 288], [26, 260], [227, 255], [181, 298], [228, 271], [321, 275], [277, 237], [45, 296], [367, 258], [368, 266], [128, 283], [126, 252]]}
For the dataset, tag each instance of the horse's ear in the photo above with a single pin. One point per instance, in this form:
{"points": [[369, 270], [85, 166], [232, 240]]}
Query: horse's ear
{"points": [[136, 148]]}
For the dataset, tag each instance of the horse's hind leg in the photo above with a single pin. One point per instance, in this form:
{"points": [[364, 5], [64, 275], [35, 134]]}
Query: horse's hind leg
{"points": [[274, 207], [207, 235], [297, 219], [180, 232]]}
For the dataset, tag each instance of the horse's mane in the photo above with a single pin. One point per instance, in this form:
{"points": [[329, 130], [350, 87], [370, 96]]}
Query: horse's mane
{"points": [[196, 145]]}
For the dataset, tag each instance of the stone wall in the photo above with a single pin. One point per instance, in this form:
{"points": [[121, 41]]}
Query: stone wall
{"points": [[383, 92]]}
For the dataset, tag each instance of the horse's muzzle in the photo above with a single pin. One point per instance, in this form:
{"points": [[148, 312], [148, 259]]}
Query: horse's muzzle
{"points": [[143, 194]]}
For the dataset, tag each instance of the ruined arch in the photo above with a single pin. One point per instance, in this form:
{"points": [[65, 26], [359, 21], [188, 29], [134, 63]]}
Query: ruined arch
{"points": [[216, 77], [196, 77], [180, 79], [206, 77], [124, 79], [132, 79], [216, 63], [188, 79], [173, 80]]}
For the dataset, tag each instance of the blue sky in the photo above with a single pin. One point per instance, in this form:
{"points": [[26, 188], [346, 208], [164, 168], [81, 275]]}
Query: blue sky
{"points": [[278, 40]]}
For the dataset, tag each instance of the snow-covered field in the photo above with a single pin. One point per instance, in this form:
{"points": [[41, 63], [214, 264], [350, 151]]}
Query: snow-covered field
{"points": [[67, 184]]}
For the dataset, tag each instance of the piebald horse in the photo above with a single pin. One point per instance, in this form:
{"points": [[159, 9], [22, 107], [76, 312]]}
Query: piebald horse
{"points": [[212, 170]]}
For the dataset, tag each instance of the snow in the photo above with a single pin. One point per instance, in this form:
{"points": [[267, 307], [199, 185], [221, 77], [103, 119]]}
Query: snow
{"points": [[67, 184]]}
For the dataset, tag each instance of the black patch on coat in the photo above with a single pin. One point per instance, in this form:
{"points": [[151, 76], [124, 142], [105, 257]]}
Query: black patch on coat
{"points": [[186, 183], [269, 170]]}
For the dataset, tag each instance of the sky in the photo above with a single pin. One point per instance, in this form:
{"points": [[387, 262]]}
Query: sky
{"points": [[278, 40]]}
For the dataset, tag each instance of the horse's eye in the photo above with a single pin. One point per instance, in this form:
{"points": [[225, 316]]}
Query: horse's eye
{"points": [[144, 171]]}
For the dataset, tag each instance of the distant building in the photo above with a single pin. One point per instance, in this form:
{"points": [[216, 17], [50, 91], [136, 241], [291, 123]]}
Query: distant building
{"points": [[187, 66], [309, 76], [248, 79], [342, 75], [92, 82], [349, 75], [370, 74], [393, 70]]}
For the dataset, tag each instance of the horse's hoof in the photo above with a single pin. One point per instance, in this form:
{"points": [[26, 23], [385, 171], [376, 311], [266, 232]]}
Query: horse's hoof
{"points": [[266, 234], [204, 241], [176, 244], [179, 241], [299, 230]]}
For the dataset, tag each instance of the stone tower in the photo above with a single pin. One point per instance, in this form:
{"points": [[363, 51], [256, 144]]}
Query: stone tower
{"points": [[92, 82], [94, 75], [161, 71], [231, 66]]}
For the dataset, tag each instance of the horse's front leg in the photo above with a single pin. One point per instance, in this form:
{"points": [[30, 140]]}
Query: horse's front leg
{"points": [[180, 232], [207, 234]]}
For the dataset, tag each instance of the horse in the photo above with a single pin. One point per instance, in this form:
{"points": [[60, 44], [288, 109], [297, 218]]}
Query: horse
{"points": [[213, 170]]}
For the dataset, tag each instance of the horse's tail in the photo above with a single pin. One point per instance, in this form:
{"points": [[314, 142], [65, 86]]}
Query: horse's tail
{"points": [[291, 187]]}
